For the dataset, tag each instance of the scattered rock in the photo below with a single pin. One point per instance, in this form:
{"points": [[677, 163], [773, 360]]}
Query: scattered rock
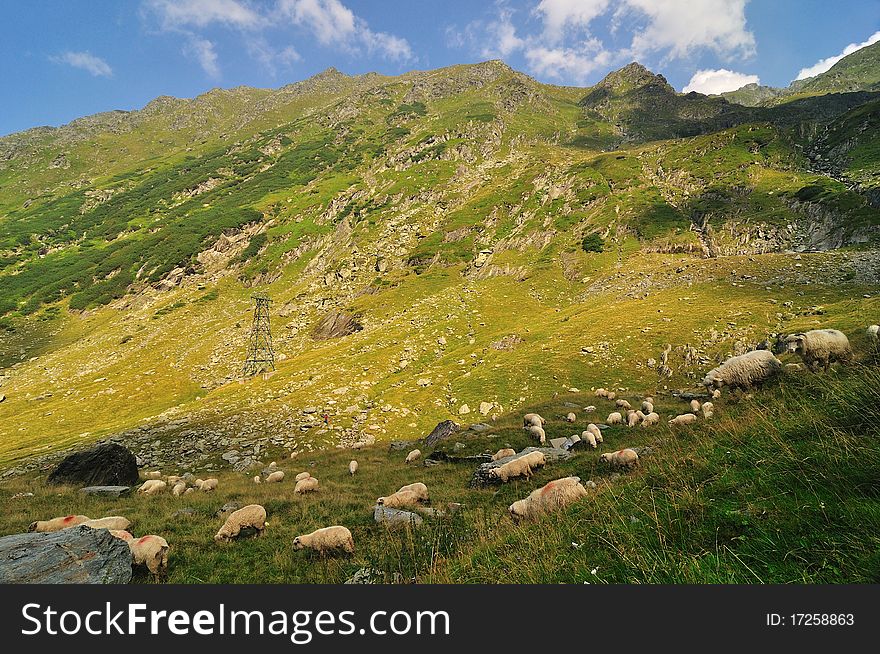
{"points": [[396, 517], [226, 509], [109, 464], [482, 477], [79, 555], [464, 409], [442, 431], [107, 491]]}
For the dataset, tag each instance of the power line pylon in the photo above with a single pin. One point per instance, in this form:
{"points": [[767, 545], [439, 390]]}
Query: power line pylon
{"points": [[260, 356]]}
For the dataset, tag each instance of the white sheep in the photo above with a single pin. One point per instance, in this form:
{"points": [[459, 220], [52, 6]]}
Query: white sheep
{"points": [[716, 393], [503, 453], [208, 485], [743, 371], [873, 332], [611, 396], [647, 407], [538, 433], [307, 485], [518, 467], [121, 534], [595, 431], [150, 551], [189, 491], [258, 479], [352, 467], [152, 487], [695, 405], [627, 458], [553, 496], [114, 522], [571, 417], [533, 419], [273, 465], [57, 524], [708, 410], [590, 437], [683, 419], [179, 488], [398, 500], [651, 419], [326, 539], [301, 476], [615, 418], [252, 516], [817, 347], [632, 418], [623, 404], [275, 477], [536, 459], [172, 480], [415, 455], [155, 474], [419, 489]]}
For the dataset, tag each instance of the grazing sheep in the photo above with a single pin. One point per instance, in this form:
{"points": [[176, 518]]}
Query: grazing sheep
{"points": [[208, 485], [252, 516], [601, 392], [623, 404], [590, 408], [571, 417], [538, 433], [647, 407], [695, 405], [743, 371], [326, 539], [419, 489], [651, 419], [307, 485], [258, 480], [817, 347], [533, 419], [614, 419], [121, 534], [518, 467], [189, 490], [683, 419], [415, 455], [590, 437], [152, 487], [273, 465], [150, 551], [611, 396], [398, 500], [874, 334], [553, 496], [171, 480], [595, 431], [57, 524], [716, 393], [621, 458], [115, 522], [503, 453], [178, 489], [632, 418], [352, 467], [155, 474], [535, 459], [708, 410], [301, 476], [275, 477]]}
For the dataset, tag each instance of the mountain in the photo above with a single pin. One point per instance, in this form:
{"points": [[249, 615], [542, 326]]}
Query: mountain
{"points": [[859, 71], [444, 244]]}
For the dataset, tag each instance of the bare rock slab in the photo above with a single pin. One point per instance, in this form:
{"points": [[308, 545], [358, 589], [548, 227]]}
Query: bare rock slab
{"points": [[482, 477], [109, 464], [107, 491], [79, 555]]}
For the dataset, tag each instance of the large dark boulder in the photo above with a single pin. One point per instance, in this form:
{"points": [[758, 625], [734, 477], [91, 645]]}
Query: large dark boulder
{"points": [[105, 465], [79, 555], [442, 431]]}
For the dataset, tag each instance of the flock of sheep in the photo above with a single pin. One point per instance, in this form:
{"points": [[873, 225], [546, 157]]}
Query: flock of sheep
{"points": [[817, 348]]}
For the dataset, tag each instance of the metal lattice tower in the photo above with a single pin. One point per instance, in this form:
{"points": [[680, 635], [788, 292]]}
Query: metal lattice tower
{"points": [[260, 356]]}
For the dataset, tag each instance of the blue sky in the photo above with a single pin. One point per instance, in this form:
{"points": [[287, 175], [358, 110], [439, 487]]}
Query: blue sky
{"points": [[63, 59]]}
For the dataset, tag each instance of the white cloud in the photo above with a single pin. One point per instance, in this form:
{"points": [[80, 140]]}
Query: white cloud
{"points": [[561, 15], [85, 61], [679, 27], [825, 64], [567, 63], [179, 14], [334, 24], [203, 51], [714, 82], [270, 58]]}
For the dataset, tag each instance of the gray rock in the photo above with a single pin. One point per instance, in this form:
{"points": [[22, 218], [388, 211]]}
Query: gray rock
{"points": [[558, 442], [107, 491], [442, 431], [79, 555], [398, 446], [105, 465], [480, 427], [482, 477], [226, 509], [395, 517]]}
